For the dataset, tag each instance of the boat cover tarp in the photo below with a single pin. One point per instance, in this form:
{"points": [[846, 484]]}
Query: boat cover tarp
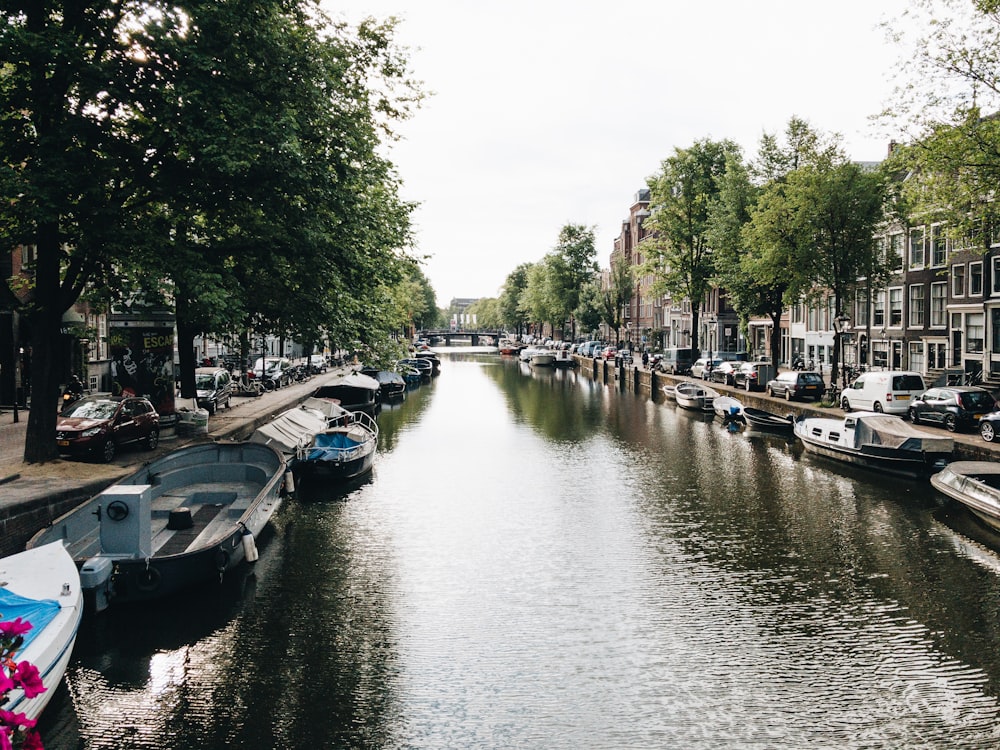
{"points": [[290, 429], [39, 612], [333, 446], [893, 432]]}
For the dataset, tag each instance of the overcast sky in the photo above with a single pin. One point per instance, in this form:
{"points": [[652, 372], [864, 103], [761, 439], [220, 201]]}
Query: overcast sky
{"points": [[548, 112]]}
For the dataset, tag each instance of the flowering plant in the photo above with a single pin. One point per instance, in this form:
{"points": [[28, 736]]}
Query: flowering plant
{"points": [[16, 729]]}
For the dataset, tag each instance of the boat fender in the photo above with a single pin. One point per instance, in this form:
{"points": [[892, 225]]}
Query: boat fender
{"points": [[221, 559], [289, 483], [249, 547], [148, 579]]}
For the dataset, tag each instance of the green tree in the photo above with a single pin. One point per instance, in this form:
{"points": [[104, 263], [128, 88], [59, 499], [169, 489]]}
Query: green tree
{"points": [[947, 94], [682, 194], [574, 264], [509, 301], [753, 237], [588, 312], [618, 294], [143, 143]]}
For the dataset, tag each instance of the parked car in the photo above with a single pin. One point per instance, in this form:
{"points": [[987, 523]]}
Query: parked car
{"points": [[989, 426], [724, 373], [609, 352], [213, 388], [752, 376], [276, 369], [99, 425], [703, 366], [955, 408], [889, 391], [793, 384]]}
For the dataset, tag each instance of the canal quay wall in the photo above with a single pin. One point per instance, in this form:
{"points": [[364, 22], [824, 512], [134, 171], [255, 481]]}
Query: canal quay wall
{"points": [[968, 446]]}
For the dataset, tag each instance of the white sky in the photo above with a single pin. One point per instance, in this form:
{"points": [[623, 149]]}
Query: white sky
{"points": [[548, 112]]}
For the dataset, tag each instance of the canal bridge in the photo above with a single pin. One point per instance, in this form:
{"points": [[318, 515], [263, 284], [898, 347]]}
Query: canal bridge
{"points": [[476, 338]]}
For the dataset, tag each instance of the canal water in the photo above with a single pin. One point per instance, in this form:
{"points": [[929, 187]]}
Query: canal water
{"points": [[540, 561]]}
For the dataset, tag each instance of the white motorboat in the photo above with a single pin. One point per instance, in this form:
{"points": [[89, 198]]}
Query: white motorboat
{"points": [[41, 586], [976, 485], [695, 396], [876, 441], [729, 408]]}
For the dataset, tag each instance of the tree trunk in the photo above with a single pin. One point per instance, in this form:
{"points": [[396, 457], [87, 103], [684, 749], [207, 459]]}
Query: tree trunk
{"points": [[775, 342]]}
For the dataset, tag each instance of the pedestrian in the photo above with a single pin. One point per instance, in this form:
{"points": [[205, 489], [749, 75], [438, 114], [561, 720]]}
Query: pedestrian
{"points": [[645, 359]]}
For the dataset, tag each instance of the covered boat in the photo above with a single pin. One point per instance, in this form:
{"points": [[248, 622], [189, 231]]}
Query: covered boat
{"points": [[695, 396], [976, 485], [343, 450], [292, 430], [41, 586], [876, 441], [354, 392], [391, 384], [183, 519], [563, 358]]}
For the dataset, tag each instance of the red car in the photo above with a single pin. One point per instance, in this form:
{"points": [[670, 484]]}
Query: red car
{"points": [[100, 425]]}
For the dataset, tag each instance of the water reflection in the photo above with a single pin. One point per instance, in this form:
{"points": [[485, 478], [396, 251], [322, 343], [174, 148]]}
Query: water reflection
{"points": [[539, 560]]}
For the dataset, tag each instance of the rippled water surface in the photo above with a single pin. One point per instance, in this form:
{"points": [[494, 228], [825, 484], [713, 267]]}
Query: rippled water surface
{"points": [[540, 561]]}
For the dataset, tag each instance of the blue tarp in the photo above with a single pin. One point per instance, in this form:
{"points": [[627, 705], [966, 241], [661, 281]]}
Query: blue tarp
{"points": [[329, 445], [39, 612]]}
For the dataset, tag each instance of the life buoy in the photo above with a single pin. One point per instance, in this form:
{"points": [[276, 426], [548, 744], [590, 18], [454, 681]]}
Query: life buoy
{"points": [[147, 579]]}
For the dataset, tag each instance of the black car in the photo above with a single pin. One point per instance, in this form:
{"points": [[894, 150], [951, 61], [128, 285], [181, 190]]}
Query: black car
{"points": [[792, 384], [724, 373], [956, 408], [751, 376], [989, 426]]}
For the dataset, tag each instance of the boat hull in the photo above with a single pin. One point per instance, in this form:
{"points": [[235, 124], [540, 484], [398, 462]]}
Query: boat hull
{"points": [[180, 522], [908, 464], [46, 572], [974, 484]]}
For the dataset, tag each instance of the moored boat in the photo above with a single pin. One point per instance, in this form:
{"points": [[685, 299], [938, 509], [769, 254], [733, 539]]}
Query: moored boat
{"points": [[765, 420], [974, 484], [391, 384], [41, 586], [563, 358], [695, 396], [669, 392], [342, 451], [876, 441], [354, 391], [181, 520], [729, 408]]}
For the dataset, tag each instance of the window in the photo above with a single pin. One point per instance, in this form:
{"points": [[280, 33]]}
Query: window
{"points": [[917, 247], [975, 331], [958, 281], [976, 279], [917, 358], [896, 307], [861, 313], [896, 252], [798, 313], [916, 311], [939, 246], [878, 314], [996, 275], [939, 299]]}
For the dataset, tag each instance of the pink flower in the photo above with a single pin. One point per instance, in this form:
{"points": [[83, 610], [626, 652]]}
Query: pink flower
{"points": [[13, 720], [28, 678], [6, 684], [5, 733], [32, 741], [14, 627]]}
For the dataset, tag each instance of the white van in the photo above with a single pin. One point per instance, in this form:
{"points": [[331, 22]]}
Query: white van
{"points": [[890, 391]]}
